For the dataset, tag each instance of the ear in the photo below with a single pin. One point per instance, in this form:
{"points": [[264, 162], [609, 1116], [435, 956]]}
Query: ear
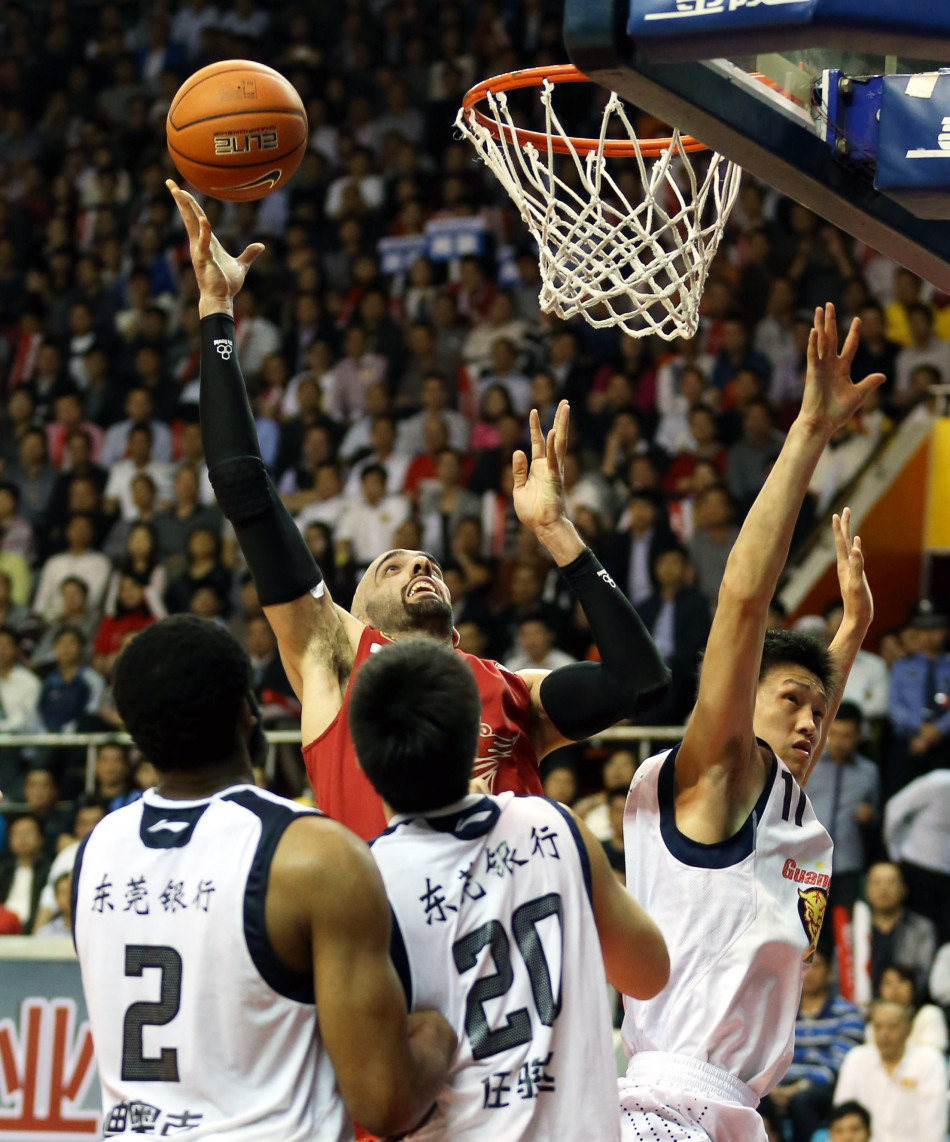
{"points": [[456, 638]]}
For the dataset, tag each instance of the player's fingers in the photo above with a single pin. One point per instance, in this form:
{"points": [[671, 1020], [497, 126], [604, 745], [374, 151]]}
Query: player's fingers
{"points": [[519, 468], [841, 549], [253, 251], [851, 342], [812, 353], [846, 526], [562, 422], [868, 385], [831, 329], [537, 436], [820, 331]]}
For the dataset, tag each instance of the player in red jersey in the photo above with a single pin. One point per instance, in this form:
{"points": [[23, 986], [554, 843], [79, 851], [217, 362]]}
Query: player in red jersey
{"points": [[402, 594]]}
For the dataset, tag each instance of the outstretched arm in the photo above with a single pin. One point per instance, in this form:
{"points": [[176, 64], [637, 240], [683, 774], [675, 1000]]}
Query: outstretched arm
{"points": [[574, 702], [317, 639], [718, 770], [858, 613]]}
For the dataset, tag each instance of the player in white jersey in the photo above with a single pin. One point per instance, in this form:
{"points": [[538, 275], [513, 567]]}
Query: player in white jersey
{"points": [[506, 915], [234, 945], [722, 846]]}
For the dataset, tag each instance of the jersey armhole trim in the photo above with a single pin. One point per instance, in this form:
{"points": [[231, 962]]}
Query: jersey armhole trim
{"points": [[400, 958], [720, 854], [341, 713], [581, 848], [275, 820], [74, 886]]}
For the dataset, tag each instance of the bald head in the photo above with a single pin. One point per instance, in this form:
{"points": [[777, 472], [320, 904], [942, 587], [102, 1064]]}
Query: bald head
{"points": [[404, 595]]}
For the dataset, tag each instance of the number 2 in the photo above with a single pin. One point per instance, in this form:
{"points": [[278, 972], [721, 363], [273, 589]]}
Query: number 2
{"points": [[517, 1029], [135, 1066]]}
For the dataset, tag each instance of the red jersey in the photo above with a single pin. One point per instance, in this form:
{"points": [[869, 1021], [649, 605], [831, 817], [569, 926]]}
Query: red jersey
{"points": [[506, 757]]}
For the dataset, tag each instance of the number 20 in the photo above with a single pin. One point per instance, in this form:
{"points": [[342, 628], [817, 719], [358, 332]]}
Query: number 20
{"points": [[517, 1029]]}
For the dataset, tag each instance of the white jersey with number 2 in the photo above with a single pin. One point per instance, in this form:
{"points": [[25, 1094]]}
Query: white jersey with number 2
{"points": [[199, 1030], [494, 928]]}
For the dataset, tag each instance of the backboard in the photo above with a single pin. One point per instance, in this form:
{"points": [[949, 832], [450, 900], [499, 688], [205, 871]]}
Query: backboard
{"points": [[801, 95]]}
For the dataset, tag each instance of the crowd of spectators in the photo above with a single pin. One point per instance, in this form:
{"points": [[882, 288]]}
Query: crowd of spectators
{"points": [[391, 381]]}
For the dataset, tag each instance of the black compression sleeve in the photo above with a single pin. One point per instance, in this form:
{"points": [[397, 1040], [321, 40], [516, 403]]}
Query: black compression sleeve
{"points": [[585, 698], [279, 559]]}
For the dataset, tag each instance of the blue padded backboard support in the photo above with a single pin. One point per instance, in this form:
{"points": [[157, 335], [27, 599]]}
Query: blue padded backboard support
{"points": [[750, 124]]}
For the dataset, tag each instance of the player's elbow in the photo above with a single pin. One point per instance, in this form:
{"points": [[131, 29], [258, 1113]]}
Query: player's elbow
{"points": [[654, 967], [381, 1111]]}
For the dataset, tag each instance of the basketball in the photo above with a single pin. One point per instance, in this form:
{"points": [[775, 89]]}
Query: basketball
{"points": [[236, 130]]}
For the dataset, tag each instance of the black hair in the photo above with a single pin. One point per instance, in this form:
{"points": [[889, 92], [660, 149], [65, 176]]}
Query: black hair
{"points": [[74, 631], [374, 470], [831, 606], [849, 712], [415, 715], [12, 490], [843, 1109], [179, 686], [908, 975], [801, 649]]}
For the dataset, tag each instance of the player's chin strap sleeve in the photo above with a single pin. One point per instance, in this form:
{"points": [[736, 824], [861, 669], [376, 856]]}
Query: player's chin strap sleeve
{"points": [[587, 697], [279, 559]]}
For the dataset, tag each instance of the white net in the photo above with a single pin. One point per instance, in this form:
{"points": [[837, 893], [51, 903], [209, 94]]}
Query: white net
{"points": [[635, 257]]}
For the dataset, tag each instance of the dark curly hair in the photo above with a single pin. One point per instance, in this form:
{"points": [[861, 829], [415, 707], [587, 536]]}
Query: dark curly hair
{"points": [[415, 715], [178, 686], [801, 649]]}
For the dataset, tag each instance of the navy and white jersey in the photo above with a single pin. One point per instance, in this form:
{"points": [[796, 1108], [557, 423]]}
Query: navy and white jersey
{"points": [[741, 920], [198, 1028], [494, 928]]}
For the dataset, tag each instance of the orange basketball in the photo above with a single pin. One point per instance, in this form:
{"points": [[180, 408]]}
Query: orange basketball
{"points": [[236, 130]]}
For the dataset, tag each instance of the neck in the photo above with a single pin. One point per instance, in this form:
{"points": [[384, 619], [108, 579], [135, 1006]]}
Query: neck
{"points": [[178, 785], [886, 918], [815, 1002]]}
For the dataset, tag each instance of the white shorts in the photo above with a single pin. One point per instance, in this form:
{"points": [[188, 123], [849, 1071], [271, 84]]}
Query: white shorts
{"points": [[665, 1098]]}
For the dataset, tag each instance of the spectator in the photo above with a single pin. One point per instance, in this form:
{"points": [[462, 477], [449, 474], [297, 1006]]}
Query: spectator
{"points": [[827, 1028], [367, 525], [41, 794], [703, 444], [382, 436], [444, 503], [613, 845], [75, 611], [904, 1088], [844, 789], [70, 690], [642, 533], [23, 873], [69, 417], [139, 409], [560, 783], [89, 811], [79, 561], [410, 438], [536, 649], [19, 694], [714, 533], [16, 534], [345, 385], [749, 457], [929, 1027], [876, 353], [919, 701], [144, 499], [114, 783], [867, 684], [61, 922], [849, 1122], [326, 502], [34, 476], [118, 492], [175, 523], [130, 612], [616, 771], [917, 835], [897, 935], [736, 353], [204, 568], [923, 348]]}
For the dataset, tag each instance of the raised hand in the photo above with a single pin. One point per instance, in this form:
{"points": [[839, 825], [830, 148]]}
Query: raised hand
{"points": [[220, 275], [831, 398], [539, 488], [855, 590]]}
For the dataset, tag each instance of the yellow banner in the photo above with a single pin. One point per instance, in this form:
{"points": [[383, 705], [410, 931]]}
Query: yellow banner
{"points": [[937, 533]]}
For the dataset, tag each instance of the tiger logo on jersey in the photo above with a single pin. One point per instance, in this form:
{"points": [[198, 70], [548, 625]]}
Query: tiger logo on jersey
{"points": [[811, 910]]}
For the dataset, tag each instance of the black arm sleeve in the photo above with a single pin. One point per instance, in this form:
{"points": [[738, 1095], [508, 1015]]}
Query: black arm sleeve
{"points": [[587, 697], [276, 553]]}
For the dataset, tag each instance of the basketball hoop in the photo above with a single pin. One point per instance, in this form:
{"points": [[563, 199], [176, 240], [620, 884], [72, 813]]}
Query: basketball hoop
{"points": [[640, 265]]}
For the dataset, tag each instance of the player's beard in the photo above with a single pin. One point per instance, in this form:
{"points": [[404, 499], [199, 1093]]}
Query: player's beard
{"points": [[426, 616]]}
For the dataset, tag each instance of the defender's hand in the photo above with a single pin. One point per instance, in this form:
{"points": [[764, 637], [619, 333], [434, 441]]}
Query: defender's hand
{"points": [[855, 589], [539, 489], [220, 275], [831, 398]]}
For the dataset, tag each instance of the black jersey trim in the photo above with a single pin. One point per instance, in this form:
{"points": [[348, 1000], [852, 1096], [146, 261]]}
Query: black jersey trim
{"points": [[400, 957], [582, 853], [167, 827], [74, 886], [274, 818], [719, 854]]}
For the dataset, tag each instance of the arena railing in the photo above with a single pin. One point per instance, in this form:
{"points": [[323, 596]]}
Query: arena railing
{"points": [[644, 736]]}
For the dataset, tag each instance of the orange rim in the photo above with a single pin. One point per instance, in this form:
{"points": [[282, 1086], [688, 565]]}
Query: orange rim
{"points": [[562, 73]]}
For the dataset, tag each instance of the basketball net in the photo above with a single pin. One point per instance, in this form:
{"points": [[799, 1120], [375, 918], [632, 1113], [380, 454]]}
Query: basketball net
{"points": [[638, 265]]}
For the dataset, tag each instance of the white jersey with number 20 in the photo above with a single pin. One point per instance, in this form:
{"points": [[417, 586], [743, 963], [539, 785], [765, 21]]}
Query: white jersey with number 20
{"points": [[494, 928]]}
